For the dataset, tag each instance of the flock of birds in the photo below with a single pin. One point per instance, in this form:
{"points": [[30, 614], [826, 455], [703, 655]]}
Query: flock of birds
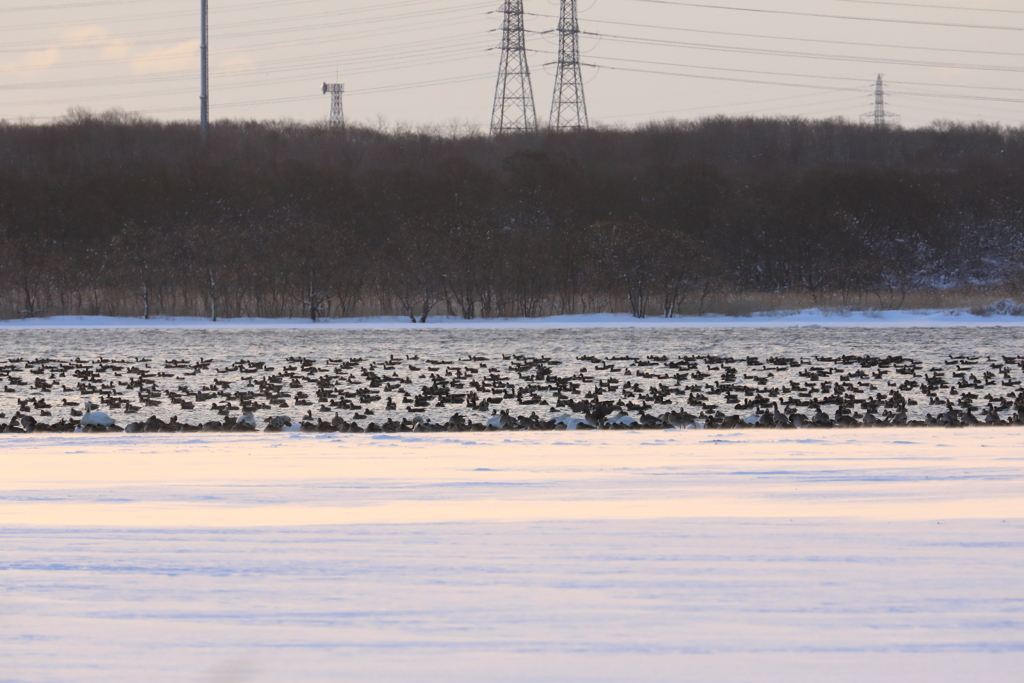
{"points": [[513, 392]]}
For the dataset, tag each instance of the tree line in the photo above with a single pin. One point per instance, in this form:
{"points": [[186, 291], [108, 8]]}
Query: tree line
{"points": [[112, 214]]}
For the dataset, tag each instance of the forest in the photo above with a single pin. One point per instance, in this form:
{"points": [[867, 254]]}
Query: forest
{"points": [[113, 214]]}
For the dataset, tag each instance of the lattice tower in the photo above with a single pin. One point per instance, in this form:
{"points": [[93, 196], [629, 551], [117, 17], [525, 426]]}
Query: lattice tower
{"points": [[337, 90], [879, 117], [514, 110], [568, 105]]}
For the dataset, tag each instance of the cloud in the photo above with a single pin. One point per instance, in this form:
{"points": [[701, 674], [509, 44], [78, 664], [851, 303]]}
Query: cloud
{"points": [[234, 65], [96, 36], [38, 60], [116, 49], [165, 60], [42, 59], [85, 36]]}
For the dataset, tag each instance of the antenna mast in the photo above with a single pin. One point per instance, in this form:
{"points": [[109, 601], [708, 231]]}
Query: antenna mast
{"points": [[204, 77], [568, 105], [337, 112], [514, 110]]}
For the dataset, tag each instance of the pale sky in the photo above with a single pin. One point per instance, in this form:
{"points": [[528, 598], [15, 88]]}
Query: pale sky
{"points": [[422, 62]]}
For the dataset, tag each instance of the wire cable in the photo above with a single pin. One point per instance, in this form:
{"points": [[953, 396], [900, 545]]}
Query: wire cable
{"points": [[915, 22]]}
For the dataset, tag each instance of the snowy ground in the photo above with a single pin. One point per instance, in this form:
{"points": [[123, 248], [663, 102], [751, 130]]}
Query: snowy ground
{"points": [[808, 318], [867, 555]]}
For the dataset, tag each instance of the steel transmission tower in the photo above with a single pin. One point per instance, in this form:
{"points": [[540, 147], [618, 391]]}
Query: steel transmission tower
{"points": [[337, 112], [514, 110], [568, 105], [879, 117], [204, 72]]}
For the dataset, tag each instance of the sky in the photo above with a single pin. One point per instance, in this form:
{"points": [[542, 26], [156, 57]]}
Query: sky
{"points": [[421, 63]]}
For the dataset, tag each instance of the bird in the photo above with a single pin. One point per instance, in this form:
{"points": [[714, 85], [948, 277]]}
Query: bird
{"points": [[95, 418]]}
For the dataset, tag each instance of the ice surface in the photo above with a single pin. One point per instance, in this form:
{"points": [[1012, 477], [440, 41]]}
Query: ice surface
{"points": [[806, 318], [890, 555], [38, 364]]}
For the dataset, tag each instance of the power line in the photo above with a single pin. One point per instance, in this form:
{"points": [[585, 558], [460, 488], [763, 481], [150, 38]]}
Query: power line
{"points": [[250, 32], [818, 55], [948, 7], [235, 105], [302, 98], [804, 96], [249, 6], [111, 20], [732, 70], [729, 79], [799, 85], [224, 27], [321, 25], [791, 38], [386, 64], [70, 5], [383, 49], [231, 86], [834, 16], [156, 59]]}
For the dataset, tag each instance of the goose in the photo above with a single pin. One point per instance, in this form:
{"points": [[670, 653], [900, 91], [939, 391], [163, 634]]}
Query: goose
{"points": [[650, 421], [780, 419], [680, 420], [820, 418]]}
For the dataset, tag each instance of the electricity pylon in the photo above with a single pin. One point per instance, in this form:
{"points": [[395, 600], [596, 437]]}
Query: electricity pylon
{"points": [[879, 116], [337, 112], [514, 110], [568, 105]]}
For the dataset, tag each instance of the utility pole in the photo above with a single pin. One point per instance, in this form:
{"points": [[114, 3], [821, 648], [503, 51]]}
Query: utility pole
{"points": [[204, 76], [337, 112], [568, 105], [514, 110]]}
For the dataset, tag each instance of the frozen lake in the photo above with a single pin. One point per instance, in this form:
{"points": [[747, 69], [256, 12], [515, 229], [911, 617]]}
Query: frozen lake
{"points": [[227, 343], [135, 373], [882, 555], [790, 556]]}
